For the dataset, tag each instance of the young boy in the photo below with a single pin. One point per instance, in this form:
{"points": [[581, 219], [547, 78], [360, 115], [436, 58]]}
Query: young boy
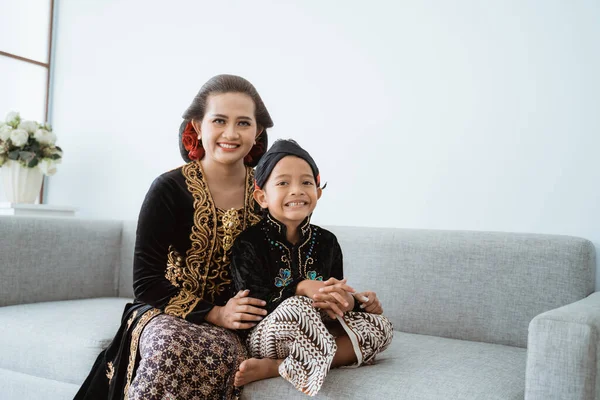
{"points": [[313, 321]]}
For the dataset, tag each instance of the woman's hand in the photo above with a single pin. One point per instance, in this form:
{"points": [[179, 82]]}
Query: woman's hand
{"points": [[240, 312], [372, 304]]}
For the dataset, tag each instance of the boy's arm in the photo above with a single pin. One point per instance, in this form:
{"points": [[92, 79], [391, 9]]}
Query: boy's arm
{"points": [[309, 287], [250, 270]]}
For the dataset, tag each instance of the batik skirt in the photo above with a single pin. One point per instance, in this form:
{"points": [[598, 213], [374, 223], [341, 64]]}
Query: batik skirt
{"points": [[158, 356]]}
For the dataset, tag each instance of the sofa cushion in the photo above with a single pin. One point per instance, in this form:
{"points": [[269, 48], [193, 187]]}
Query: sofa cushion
{"points": [[126, 261], [481, 286], [58, 340], [18, 386], [419, 367], [52, 259]]}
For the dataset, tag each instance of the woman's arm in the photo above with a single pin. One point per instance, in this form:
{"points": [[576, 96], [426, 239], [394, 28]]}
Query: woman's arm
{"points": [[240, 312], [157, 226]]}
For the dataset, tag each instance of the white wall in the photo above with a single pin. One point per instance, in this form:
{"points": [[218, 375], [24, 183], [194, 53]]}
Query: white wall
{"points": [[421, 114]]}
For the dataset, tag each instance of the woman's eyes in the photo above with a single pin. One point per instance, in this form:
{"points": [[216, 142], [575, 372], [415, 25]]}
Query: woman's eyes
{"points": [[221, 121], [281, 184]]}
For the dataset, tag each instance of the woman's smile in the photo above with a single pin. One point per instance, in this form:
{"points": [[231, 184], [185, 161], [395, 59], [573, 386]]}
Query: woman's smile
{"points": [[228, 146]]}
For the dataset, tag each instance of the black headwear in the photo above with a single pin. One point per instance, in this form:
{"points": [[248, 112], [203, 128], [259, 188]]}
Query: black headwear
{"points": [[280, 149]]}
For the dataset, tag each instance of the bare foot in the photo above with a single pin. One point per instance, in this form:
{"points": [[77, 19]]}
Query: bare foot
{"points": [[255, 369]]}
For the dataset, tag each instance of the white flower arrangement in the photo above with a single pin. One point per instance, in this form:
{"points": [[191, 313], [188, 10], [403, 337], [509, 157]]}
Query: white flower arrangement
{"points": [[29, 143]]}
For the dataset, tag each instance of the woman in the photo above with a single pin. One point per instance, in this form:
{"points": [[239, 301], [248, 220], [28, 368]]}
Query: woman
{"points": [[176, 340]]}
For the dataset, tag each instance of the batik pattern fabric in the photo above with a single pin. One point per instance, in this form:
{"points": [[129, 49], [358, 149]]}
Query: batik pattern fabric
{"points": [[180, 360], [296, 333]]}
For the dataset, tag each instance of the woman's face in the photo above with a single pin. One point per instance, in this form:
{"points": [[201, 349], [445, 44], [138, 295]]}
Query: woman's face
{"points": [[228, 129]]}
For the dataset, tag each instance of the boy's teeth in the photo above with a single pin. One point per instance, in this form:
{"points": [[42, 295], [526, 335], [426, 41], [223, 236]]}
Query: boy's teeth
{"points": [[299, 203]]}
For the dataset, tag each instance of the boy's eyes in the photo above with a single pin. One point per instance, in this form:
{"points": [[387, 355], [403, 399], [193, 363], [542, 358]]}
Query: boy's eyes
{"points": [[285, 183]]}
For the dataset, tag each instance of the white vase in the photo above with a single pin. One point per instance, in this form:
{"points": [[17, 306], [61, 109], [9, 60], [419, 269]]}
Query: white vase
{"points": [[21, 185]]}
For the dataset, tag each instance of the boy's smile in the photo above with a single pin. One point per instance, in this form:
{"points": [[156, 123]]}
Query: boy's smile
{"points": [[290, 193]]}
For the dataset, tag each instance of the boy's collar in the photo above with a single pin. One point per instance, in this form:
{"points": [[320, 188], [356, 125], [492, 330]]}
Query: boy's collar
{"points": [[281, 229]]}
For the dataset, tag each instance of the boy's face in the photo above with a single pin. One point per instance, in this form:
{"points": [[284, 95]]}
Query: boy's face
{"points": [[291, 192]]}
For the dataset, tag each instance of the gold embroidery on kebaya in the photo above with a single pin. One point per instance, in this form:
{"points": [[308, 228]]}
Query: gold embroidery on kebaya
{"points": [[110, 371], [130, 320], [174, 270], [193, 275], [220, 277], [135, 339], [182, 304], [205, 273], [231, 224], [253, 213]]}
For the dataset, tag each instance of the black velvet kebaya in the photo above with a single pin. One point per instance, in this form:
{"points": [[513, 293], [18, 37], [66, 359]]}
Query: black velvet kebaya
{"points": [[181, 264]]}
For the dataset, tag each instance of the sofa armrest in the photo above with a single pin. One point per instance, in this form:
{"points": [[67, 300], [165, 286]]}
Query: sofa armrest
{"points": [[562, 352]]}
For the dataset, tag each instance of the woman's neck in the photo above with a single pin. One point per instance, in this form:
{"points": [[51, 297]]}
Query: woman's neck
{"points": [[226, 183], [224, 174]]}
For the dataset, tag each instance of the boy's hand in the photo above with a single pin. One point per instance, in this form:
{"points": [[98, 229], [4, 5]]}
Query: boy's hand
{"points": [[339, 290], [332, 308], [334, 297], [310, 289], [370, 302]]}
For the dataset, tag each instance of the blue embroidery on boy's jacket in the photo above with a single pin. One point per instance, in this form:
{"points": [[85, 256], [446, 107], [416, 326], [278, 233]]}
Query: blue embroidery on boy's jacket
{"points": [[312, 275], [284, 278]]}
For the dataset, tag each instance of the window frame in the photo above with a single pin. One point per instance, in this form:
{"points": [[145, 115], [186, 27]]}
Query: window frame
{"points": [[48, 66]]}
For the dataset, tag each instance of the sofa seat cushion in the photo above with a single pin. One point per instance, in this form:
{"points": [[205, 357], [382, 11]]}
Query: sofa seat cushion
{"points": [[58, 340], [419, 367], [18, 386]]}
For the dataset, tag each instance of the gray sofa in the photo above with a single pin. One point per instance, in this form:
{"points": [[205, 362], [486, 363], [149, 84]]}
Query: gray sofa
{"points": [[477, 315]]}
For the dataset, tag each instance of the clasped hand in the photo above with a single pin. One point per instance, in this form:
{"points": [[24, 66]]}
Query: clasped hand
{"points": [[336, 298]]}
